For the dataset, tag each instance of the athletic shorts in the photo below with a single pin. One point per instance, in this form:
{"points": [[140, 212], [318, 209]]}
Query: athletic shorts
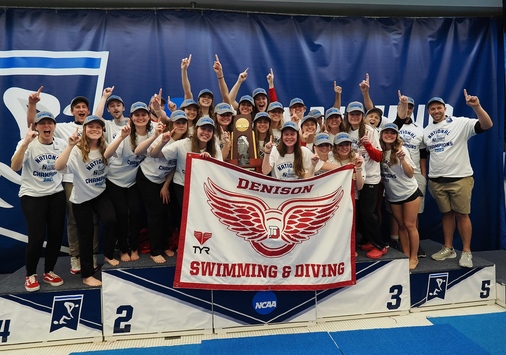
{"points": [[413, 197]]}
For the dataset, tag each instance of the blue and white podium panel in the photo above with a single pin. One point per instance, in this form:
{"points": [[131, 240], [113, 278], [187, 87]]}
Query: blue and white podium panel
{"points": [[143, 301], [451, 287], [43, 317], [253, 308], [382, 287]]}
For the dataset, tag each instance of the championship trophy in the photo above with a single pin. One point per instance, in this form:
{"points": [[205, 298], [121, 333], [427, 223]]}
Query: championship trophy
{"points": [[243, 150]]}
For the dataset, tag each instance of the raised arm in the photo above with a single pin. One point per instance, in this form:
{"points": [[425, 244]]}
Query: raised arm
{"points": [[483, 117], [33, 98], [218, 69], [273, 96], [111, 148], [364, 87], [99, 111], [61, 162], [19, 157], [155, 150], [158, 107], [187, 89], [337, 100], [235, 89], [142, 148]]}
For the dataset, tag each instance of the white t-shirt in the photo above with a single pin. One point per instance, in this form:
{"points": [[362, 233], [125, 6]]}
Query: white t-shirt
{"points": [[89, 177], [412, 139], [282, 167], [64, 130], [372, 168], [177, 152], [39, 176], [123, 170], [446, 142], [112, 127], [398, 186]]}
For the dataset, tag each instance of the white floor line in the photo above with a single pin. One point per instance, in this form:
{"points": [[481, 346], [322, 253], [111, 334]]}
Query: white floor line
{"points": [[412, 319]]}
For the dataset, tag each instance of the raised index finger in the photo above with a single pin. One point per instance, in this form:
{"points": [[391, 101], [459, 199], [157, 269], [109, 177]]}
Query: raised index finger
{"points": [[367, 78], [216, 57], [160, 93], [40, 90], [465, 93]]}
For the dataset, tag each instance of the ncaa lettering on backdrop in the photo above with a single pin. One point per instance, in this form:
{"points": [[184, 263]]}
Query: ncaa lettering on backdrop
{"points": [[271, 232]]}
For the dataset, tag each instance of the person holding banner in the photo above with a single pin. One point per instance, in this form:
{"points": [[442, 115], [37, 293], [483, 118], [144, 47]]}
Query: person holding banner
{"points": [[203, 142], [121, 180], [450, 171], [42, 197], [401, 189], [365, 142], [289, 161], [84, 157]]}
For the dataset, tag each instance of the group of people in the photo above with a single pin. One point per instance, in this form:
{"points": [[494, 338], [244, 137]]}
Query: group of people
{"points": [[130, 170]]}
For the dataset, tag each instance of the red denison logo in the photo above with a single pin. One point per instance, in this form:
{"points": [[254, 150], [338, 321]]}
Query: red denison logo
{"points": [[272, 232]]}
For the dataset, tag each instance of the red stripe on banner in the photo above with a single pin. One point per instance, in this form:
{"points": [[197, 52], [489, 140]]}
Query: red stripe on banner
{"points": [[246, 231]]}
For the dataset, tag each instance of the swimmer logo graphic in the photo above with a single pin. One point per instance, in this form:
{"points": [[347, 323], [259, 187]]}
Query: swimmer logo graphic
{"points": [[272, 232], [66, 312], [437, 285]]}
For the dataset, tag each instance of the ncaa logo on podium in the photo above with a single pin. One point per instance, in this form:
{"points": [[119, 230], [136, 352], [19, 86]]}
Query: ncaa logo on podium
{"points": [[436, 286], [66, 312], [264, 302]]}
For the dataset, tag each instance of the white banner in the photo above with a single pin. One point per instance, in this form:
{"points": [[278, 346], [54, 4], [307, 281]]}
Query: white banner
{"points": [[246, 231]]}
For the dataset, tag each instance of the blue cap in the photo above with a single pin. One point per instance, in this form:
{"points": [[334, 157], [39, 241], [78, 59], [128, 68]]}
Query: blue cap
{"points": [[113, 98], [44, 114], [94, 118], [355, 106], [79, 99], [203, 121], [178, 115], [411, 101], [436, 99], [259, 91], [205, 91], [332, 111], [296, 101], [188, 102], [138, 106], [290, 124], [274, 105], [341, 138], [392, 126], [262, 115], [322, 138], [315, 113], [306, 118], [375, 109], [222, 108], [247, 98]]}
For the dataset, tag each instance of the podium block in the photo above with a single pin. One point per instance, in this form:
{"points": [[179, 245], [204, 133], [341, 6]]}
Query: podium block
{"points": [[70, 313], [382, 288], [138, 300], [245, 309], [444, 284]]}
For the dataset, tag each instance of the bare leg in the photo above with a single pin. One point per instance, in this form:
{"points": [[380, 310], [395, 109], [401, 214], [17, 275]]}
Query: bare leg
{"points": [[448, 228], [465, 230]]}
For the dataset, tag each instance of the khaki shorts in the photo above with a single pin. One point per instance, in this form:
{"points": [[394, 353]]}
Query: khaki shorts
{"points": [[453, 196]]}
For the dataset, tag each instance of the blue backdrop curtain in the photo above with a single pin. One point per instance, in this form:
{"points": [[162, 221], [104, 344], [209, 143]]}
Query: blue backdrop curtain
{"points": [[140, 51]]}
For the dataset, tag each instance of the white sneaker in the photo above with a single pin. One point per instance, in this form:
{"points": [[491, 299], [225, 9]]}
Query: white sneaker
{"points": [[466, 259], [444, 253], [95, 263], [75, 265]]}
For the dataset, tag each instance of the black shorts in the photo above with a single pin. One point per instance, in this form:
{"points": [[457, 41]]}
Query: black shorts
{"points": [[413, 197]]}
